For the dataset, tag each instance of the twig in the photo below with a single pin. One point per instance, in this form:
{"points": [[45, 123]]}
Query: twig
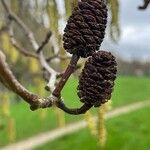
{"points": [[78, 66], [76, 111], [14, 17], [44, 42], [145, 5], [17, 46], [66, 75], [53, 74]]}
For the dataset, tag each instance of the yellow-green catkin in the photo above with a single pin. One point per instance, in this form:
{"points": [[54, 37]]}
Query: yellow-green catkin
{"points": [[74, 3], [5, 114], [11, 129], [5, 109], [10, 51], [5, 42], [41, 91], [101, 126], [68, 7], [114, 26], [37, 6], [34, 66], [1, 122], [14, 54], [102, 132], [15, 6], [91, 122], [53, 16], [62, 52], [60, 117]]}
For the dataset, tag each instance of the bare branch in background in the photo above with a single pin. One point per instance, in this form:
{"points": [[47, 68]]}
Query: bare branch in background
{"points": [[44, 42], [17, 46], [145, 5], [34, 44]]}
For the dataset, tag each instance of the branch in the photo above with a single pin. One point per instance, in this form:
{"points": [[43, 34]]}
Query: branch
{"points": [[34, 44], [66, 75], [77, 111], [9, 79], [14, 17], [34, 100], [145, 5], [22, 25], [44, 42], [53, 74], [17, 46], [78, 66]]}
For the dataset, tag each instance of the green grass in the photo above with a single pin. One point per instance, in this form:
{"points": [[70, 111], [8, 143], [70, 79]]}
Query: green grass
{"points": [[131, 89], [28, 123], [127, 132]]}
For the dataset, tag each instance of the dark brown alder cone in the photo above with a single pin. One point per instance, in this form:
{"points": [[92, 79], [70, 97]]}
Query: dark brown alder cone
{"points": [[97, 79], [85, 29]]}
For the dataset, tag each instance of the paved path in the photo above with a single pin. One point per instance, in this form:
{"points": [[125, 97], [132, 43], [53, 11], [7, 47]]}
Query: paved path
{"points": [[42, 138]]}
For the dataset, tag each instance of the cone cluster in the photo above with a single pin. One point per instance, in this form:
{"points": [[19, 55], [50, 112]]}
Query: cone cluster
{"points": [[83, 36]]}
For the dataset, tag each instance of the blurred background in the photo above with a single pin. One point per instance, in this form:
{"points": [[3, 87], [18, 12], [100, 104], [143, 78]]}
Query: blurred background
{"points": [[127, 37]]}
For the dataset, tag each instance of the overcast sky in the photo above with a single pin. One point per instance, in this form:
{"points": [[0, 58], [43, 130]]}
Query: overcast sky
{"points": [[135, 32]]}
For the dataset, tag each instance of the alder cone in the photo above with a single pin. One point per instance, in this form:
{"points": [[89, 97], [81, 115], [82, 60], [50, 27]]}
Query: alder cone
{"points": [[85, 28], [97, 79]]}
